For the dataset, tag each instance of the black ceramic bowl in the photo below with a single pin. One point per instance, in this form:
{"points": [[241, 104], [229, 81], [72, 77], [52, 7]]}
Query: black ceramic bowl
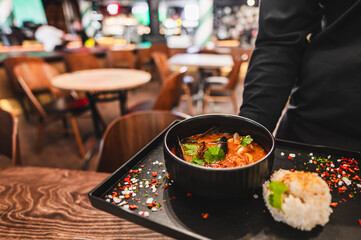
{"points": [[218, 183]]}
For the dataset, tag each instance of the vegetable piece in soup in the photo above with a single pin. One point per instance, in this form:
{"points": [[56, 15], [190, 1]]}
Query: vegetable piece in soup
{"points": [[221, 150]]}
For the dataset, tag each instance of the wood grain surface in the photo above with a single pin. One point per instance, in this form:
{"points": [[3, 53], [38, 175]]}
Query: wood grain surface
{"points": [[46, 203]]}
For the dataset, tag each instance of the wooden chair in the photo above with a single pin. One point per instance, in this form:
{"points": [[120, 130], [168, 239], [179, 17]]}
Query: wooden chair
{"points": [[161, 62], [143, 59], [174, 51], [159, 47], [160, 59], [167, 99], [10, 64], [63, 106], [169, 95], [245, 53], [84, 61], [222, 89], [9, 138], [80, 61], [120, 58], [128, 134]]}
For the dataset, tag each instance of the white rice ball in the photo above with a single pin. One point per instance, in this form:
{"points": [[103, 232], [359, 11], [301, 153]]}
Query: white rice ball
{"points": [[305, 204]]}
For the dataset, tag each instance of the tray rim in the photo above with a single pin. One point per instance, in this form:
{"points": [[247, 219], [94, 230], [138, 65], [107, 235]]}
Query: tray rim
{"points": [[170, 231], [100, 203]]}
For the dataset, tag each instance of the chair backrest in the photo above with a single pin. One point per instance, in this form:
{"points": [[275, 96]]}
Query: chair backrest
{"points": [[10, 64], [143, 57], [120, 58], [128, 134], [243, 52], [39, 74], [9, 137], [159, 47], [171, 91], [80, 61], [174, 51], [233, 76], [160, 60]]}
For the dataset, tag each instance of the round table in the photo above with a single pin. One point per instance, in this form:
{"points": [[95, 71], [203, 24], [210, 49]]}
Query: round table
{"points": [[104, 80], [201, 60], [101, 80], [204, 62]]}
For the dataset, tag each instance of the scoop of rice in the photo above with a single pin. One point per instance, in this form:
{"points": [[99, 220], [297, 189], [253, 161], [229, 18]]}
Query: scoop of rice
{"points": [[305, 204]]}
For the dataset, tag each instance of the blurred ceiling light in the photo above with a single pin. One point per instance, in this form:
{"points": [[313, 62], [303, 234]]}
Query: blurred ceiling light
{"points": [[251, 3], [113, 9], [140, 11], [179, 22], [169, 32], [147, 30], [128, 21], [227, 10], [191, 12], [170, 23], [190, 24], [140, 8], [143, 30], [177, 31], [110, 21]]}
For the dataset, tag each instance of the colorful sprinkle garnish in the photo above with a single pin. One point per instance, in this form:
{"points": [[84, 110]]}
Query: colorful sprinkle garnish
{"points": [[145, 182], [340, 175], [334, 204]]}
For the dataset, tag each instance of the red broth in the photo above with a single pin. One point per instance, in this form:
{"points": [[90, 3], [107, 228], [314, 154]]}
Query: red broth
{"points": [[236, 156]]}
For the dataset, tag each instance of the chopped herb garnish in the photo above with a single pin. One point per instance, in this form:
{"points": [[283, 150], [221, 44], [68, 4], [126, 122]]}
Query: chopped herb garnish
{"points": [[275, 199], [246, 140], [213, 154], [190, 149], [197, 161]]}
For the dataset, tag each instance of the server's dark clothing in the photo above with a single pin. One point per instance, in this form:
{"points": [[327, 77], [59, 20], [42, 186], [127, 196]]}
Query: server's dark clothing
{"points": [[322, 75]]}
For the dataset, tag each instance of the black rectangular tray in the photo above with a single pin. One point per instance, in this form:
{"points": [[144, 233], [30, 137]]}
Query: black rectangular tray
{"points": [[181, 215]]}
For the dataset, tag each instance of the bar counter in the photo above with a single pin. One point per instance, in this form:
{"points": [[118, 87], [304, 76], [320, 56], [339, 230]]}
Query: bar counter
{"points": [[52, 56]]}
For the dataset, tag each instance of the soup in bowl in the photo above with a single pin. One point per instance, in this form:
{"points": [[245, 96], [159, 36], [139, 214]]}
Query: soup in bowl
{"points": [[218, 156], [219, 149]]}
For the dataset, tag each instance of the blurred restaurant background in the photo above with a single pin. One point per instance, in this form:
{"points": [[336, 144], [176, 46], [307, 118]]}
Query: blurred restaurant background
{"points": [[117, 23], [52, 30]]}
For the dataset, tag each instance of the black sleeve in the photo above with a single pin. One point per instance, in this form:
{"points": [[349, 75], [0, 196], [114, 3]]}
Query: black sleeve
{"points": [[276, 60]]}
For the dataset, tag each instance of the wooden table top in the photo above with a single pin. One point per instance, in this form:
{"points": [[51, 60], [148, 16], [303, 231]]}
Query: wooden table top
{"points": [[49, 203], [101, 80], [201, 60]]}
